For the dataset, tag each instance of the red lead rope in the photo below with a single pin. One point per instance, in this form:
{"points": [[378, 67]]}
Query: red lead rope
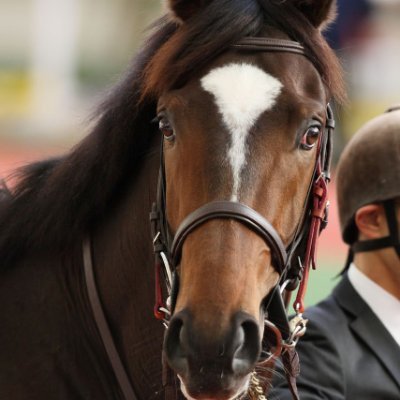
{"points": [[320, 201]]}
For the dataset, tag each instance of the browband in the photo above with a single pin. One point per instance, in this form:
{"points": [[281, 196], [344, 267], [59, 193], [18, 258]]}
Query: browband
{"points": [[268, 44]]}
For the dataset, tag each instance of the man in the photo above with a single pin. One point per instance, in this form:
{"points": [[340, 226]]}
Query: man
{"points": [[351, 349]]}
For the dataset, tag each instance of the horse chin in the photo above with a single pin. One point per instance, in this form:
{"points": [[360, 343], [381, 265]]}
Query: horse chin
{"points": [[224, 395]]}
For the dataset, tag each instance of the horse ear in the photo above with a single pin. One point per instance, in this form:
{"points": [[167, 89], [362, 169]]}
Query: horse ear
{"points": [[319, 12], [184, 9]]}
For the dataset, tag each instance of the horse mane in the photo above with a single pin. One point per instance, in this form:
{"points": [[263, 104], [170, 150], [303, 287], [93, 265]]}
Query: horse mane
{"points": [[56, 201]]}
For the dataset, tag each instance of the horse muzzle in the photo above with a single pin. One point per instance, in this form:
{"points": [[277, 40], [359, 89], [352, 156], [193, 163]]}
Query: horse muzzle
{"points": [[213, 367]]}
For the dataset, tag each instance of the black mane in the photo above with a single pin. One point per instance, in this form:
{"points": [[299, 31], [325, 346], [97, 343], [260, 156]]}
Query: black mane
{"points": [[57, 201]]}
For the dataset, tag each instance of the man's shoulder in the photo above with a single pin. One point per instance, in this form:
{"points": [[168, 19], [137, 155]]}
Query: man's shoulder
{"points": [[333, 316], [343, 352]]}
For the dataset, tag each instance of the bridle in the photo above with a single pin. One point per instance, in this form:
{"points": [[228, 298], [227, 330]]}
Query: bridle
{"points": [[292, 262], [168, 249]]}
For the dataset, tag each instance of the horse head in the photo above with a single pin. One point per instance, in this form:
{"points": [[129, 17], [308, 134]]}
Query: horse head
{"points": [[242, 137], [241, 90]]}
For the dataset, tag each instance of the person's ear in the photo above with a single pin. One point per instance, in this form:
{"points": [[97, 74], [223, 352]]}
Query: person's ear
{"points": [[371, 222]]}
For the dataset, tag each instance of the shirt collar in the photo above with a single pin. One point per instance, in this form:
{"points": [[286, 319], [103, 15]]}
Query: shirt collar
{"points": [[385, 306]]}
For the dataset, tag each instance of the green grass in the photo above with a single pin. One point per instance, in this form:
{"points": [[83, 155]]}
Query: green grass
{"points": [[322, 280], [320, 285]]}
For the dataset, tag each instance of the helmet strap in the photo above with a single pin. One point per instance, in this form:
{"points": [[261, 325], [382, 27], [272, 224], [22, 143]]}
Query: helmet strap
{"points": [[349, 260], [389, 241]]}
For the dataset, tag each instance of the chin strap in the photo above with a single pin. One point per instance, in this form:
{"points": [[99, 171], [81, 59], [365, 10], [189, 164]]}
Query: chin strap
{"points": [[392, 240]]}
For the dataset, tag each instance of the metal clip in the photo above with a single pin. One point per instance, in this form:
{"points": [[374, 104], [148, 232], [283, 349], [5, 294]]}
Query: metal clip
{"points": [[284, 284], [298, 327], [164, 259], [158, 234], [167, 269]]}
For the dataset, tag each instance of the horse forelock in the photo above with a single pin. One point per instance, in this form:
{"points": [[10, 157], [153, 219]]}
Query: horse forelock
{"points": [[221, 24]]}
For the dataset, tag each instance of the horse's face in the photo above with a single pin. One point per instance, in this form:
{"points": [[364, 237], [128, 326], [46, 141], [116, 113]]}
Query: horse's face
{"points": [[245, 130]]}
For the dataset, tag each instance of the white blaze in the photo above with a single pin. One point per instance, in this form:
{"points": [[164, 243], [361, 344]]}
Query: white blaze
{"points": [[242, 93]]}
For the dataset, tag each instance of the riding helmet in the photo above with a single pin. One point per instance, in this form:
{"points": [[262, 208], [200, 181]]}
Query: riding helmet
{"points": [[369, 172]]}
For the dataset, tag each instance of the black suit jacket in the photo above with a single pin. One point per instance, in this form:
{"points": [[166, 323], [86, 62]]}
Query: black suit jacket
{"points": [[346, 353]]}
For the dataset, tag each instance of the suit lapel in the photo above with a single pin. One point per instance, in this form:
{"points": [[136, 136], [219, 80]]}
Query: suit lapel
{"points": [[369, 328]]}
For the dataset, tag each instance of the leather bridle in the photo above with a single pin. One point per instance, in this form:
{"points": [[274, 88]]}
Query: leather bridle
{"points": [[168, 249], [292, 262]]}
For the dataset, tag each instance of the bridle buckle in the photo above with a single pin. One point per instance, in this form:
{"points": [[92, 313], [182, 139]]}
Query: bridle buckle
{"points": [[298, 327]]}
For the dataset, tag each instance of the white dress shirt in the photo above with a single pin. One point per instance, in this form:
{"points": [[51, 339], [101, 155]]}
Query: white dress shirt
{"points": [[384, 305]]}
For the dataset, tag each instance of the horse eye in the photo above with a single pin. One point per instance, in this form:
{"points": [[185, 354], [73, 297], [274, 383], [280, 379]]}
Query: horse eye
{"points": [[166, 128], [310, 137]]}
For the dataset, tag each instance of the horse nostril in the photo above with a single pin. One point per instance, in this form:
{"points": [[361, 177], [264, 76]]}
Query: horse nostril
{"points": [[249, 347], [188, 350], [174, 347]]}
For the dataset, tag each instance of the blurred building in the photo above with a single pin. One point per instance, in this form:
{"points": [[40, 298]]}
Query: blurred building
{"points": [[56, 56], [366, 36]]}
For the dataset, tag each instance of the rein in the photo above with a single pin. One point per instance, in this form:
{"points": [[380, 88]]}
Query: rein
{"points": [[292, 265], [102, 325]]}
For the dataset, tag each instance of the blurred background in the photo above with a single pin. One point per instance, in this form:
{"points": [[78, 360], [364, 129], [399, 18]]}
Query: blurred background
{"points": [[59, 57]]}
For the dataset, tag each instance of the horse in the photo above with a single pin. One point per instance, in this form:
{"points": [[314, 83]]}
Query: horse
{"points": [[239, 91]]}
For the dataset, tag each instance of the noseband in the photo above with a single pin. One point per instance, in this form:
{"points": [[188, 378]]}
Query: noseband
{"points": [[230, 210]]}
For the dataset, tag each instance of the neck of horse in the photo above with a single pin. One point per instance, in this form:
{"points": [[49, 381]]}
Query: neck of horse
{"points": [[123, 265]]}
